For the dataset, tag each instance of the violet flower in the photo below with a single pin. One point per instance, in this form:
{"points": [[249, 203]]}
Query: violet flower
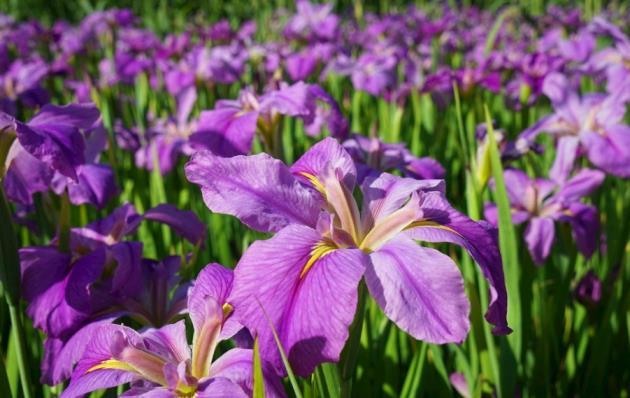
{"points": [[373, 156], [58, 149], [591, 124], [160, 362], [229, 129], [542, 202], [100, 279], [304, 279]]}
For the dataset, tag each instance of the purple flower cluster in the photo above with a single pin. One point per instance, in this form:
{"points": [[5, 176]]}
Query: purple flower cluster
{"points": [[346, 217]]}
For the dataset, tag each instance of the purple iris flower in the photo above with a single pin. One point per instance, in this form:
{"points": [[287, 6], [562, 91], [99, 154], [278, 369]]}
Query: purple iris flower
{"points": [[304, 279], [159, 362], [59, 149], [22, 82], [615, 60], [100, 279], [542, 202], [229, 129], [527, 85], [375, 73], [373, 156], [313, 22], [591, 124]]}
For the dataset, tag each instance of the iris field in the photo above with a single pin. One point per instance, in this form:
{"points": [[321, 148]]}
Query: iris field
{"points": [[314, 199]]}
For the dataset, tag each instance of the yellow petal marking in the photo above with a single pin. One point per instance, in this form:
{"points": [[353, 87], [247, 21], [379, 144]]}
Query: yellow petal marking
{"points": [[320, 250]]}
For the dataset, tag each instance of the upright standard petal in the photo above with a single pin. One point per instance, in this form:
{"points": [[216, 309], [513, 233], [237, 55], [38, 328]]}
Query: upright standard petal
{"points": [[309, 302], [259, 190], [419, 289], [442, 223], [326, 152], [225, 131]]}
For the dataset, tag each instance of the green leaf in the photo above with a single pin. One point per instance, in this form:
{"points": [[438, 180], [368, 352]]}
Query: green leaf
{"points": [[509, 250], [259, 384]]}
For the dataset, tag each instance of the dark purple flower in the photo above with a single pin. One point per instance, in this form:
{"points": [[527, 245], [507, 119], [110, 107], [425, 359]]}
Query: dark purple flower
{"points": [[589, 289], [160, 361]]}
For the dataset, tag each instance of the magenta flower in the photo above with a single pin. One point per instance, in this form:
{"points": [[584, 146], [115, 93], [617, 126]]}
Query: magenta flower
{"points": [[159, 362], [304, 279]]}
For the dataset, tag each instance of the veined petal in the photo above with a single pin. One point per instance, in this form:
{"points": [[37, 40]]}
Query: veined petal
{"points": [[387, 193], [258, 189], [419, 289], [442, 223], [319, 156], [312, 313], [220, 387], [388, 227], [96, 353]]}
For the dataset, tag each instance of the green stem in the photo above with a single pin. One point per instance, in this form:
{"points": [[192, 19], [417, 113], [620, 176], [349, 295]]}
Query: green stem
{"points": [[351, 351], [21, 353]]}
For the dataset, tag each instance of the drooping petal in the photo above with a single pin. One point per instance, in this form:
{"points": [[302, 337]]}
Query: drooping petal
{"points": [[585, 224], [95, 184], [60, 356], [25, 175], [53, 141], [311, 308], [539, 235], [419, 289], [90, 374], [81, 116], [184, 222], [442, 223], [259, 190]]}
